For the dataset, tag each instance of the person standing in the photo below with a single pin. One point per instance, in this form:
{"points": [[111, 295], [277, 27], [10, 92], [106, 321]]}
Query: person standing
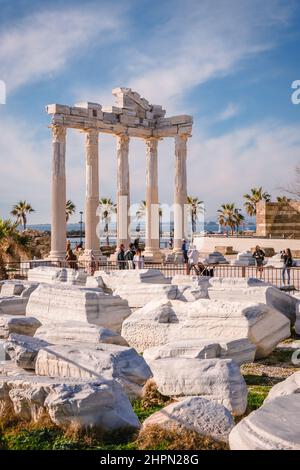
{"points": [[287, 259], [259, 256], [184, 251], [129, 256], [121, 257], [193, 259], [139, 260]]}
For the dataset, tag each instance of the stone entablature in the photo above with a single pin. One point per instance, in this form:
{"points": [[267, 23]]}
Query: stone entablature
{"points": [[133, 116]]}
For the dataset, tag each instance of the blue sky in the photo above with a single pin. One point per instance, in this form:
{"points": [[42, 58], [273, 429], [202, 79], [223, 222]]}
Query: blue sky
{"points": [[229, 63]]}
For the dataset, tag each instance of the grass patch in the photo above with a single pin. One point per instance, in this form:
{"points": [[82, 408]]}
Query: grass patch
{"points": [[256, 396]]}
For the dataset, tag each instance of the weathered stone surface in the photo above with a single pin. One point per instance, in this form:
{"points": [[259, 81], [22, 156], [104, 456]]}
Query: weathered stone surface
{"points": [[115, 279], [104, 360], [51, 275], [274, 426], [215, 258], [191, 288], [23, 349], [57, 303], [98, 403], [10, 288], [262, 325], [241, 350], [138, 295], [289, 386], [18, 324], [161, 322], [152, 325], [73, 331], [13, 305], [197, 414], [253, 290], [244, 258], [219, 380]]}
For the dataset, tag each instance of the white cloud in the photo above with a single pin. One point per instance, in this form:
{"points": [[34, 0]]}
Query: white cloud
{"points": [[41, 44], [201, 41], [229, 112], [264, 154]]}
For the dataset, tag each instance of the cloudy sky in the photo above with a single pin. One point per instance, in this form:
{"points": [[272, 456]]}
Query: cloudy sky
{"points": [[229, 63]]}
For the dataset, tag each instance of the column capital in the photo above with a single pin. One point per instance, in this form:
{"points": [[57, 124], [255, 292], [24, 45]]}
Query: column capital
{"points": [[151, 144], [58, 133], [181, 138], [92, 137]]}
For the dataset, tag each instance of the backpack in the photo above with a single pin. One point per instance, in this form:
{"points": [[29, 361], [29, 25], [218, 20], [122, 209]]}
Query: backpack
{"points": [[129, 255], [289, 262]]}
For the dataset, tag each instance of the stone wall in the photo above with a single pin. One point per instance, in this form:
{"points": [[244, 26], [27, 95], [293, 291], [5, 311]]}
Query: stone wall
{"points": [[278, 219]]}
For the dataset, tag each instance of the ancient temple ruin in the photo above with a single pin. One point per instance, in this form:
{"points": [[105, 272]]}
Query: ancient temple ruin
{"points": [[132, 116]]}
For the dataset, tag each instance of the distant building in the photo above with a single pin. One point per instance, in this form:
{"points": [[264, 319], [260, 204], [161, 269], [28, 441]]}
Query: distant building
{"points": [[278, 219]]}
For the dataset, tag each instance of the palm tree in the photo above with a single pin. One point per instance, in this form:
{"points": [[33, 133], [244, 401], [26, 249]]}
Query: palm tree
{"points": [[196, 208], [256, 195], [282, 199], [230, 216], [141, 212], [70, 209], [20, 211], [12, 244], [239, 218], [108, 208]]}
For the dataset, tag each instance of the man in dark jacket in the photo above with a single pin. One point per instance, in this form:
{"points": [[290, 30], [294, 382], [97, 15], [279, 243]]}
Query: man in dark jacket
{"points": [[129, 255], [121, 257]]}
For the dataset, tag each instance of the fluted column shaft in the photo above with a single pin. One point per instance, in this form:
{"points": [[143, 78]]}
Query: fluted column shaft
{"points": [[152, 205], [180, 191], [58, 190], [92, 192], [123, 190]]}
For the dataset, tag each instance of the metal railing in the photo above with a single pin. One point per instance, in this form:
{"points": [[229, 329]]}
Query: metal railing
{"points": [[19, 270]]}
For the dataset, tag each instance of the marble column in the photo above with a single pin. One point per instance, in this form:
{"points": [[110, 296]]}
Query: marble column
{"points": [[58, 203], [180, 191], [152, 249], [123, 190], [92, 242]]}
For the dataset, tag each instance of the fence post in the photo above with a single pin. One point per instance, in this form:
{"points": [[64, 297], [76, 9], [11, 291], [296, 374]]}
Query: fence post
{"points": [[243, 271]]}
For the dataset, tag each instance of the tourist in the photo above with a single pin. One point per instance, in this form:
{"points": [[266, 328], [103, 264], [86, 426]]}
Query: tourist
{"points": [[136, 244], [287, 259], [139, 260], [129, 255], [193, 259], [205, 270], [184, 251], [71, 259], [121, 257], [259, 257], [171, 243]]}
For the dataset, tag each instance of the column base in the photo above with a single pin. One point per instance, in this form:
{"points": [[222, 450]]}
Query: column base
{"points": [[56, 256], [152, 256], [86, 256], [178, 256]]}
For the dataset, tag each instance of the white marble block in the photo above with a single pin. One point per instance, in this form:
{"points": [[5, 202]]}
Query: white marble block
{"points": [[289, 386], [138, 295], [95, 403], [18, 324], [219, 380], [59, 303], [163, 321], [80, 360], [73, 331], [253, 290], [241, 350], [51, 275], [196, 414], [274, 426], [244, 258]]}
